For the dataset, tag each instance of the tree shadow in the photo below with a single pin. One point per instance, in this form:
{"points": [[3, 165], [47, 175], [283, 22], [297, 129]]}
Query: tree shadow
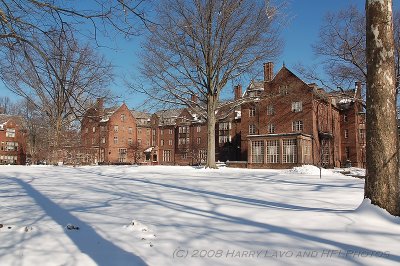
{"points": [[99, 249]]}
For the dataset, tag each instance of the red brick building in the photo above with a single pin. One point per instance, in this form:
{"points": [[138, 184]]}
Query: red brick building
{"points": [[109, 135], [287, 122], [12, 140], [279, 122]]}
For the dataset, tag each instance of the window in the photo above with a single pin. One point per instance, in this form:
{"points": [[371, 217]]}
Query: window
{"points": [[11, 146], [345, 118], [166, 155], [297, 107], [283, 90], [139, 130], [183, 129], [94, 129], [170, 142], [252, 111], [184, 155], [270, 110], [171, 131], [115, 140], [224, 139], [86, 130], [122, 155], [252, 129], [297, 125], [325, 154], [289, 151], [130, 142], [103, 140], [162, 142], [362, 135], [123, 117], [198, 129], [306, 152], [10, 132], [161, 131], [139, 141], [148, 131], [272, 151], [203, 155], [224, 126], [130, 130], [271, 128], [198, 140], [257, 151], [346, 133], [115, 129]]}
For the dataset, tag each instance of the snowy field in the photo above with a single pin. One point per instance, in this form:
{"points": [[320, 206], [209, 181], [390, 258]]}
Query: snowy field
{"points": [[186, 216]]}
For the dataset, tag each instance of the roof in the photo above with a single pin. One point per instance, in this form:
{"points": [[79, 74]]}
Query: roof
{"points": [[142, 118], [138, 114], [108, 112], [4, 118], [168, 117]]}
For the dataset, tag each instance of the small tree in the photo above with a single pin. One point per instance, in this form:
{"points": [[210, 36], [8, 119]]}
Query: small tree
{"points": [[382, 183], [198, 46]]}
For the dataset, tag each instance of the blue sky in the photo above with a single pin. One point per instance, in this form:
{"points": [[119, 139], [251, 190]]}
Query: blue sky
{"points": [[305, 18]]}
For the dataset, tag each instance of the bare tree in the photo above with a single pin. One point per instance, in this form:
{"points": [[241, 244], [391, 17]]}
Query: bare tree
{"points": [[382, 184], [199, 45], [341, 46], [22, 20], [5, 105], [62, 84]]}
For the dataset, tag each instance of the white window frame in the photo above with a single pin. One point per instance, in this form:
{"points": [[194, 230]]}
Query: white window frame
{"points": [[252, 129], [297, 125], [297, 106], [289, 154], [273, 147], [257, 151]]}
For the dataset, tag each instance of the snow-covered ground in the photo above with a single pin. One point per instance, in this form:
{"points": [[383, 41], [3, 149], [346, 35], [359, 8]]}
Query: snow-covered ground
{"points": [[188, 216]]}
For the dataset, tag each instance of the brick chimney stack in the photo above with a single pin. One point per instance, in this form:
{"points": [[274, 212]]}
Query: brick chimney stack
{"points": [[268, 71], [358, 89], [100, 106], [193, 98], [237, 92]]}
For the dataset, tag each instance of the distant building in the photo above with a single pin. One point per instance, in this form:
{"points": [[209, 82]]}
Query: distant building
{"points": [[109, 135], [13, 139]]}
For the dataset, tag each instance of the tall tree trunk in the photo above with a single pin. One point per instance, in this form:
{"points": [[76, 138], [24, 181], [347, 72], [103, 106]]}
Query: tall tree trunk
{"points": [[382, 181], [211, 119]]}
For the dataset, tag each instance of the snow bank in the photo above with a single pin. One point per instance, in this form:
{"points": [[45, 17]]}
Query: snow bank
{"points": [[310, 170], [374, 212]]}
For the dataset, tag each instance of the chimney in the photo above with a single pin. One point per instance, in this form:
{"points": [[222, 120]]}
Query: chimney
{"points": [[238, 92], [193, 98], [358, 89], [100, 106], [268, 71]]}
